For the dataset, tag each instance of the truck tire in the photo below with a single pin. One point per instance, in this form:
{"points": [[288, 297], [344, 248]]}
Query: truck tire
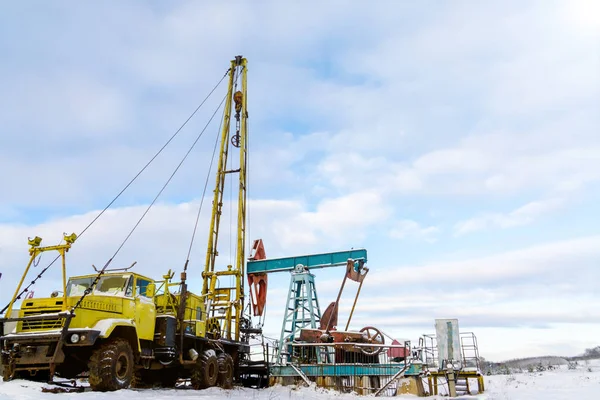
{"points": [[7, 373], [111, 366], [225, 379], [206, 370]]}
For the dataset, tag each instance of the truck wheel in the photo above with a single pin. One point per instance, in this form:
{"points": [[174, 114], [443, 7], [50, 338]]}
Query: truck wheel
{"points": [[111, 366], [206, 371], [7, 373], [225, 362]]}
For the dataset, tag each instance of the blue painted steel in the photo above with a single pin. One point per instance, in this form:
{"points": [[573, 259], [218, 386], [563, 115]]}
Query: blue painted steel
{"points": [[310, 261], [301, 310], [302, 305], [344, 369]]}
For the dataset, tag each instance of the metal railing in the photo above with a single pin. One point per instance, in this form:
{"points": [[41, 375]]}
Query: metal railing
{"points": [[363, 368], [428, 351], [469, 351]]}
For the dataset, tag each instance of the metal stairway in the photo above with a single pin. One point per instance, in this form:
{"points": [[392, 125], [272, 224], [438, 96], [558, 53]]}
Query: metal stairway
{"points": [[462, 386]]}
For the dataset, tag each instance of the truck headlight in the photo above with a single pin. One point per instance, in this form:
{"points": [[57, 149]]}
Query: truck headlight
{"points": [[74, 338]]}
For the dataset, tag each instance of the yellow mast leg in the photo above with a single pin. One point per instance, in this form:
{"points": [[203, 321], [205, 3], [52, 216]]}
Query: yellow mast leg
{"points": [[217, 203], [231, 315], [241, 223]]}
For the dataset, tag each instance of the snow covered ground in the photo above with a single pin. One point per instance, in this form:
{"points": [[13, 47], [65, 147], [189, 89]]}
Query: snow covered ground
{"points": [[582, 383]]}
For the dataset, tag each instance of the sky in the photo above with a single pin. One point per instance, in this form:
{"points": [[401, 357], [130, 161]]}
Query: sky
{"points": [[458, 142]]}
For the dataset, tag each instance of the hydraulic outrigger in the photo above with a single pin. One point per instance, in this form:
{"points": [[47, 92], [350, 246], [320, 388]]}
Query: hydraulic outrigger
{"points": [[34, 251]]}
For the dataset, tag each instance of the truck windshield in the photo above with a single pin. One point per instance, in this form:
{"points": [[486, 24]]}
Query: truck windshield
{"points": [[107, 285]]}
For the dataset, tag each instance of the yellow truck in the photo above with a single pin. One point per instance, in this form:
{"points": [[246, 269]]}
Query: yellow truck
{"points": [[122, 334]]}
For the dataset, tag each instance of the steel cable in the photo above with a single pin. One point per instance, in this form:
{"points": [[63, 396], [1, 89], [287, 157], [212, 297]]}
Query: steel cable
{"points": [[101, 272], [26, 289]]}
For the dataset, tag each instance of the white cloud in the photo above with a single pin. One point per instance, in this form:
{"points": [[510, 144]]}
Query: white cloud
{"points": [[339, 220], [523, 215], [511, 162], [408, 229], [513, 72], [545, 159], [76, 104], [542, 263], [284, 226], [390, 124], [583, 16]]}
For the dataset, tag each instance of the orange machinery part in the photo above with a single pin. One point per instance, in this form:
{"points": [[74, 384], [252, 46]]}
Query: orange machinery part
{"points": [[258, 282], [258, 292]]}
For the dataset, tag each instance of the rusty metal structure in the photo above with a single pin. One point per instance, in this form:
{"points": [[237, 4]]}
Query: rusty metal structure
{"points": [[367, 361], [302, 310], [311, 348]]}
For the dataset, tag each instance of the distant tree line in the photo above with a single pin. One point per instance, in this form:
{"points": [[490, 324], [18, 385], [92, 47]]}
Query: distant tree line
{"points": [[594, 352], [535, 364]]}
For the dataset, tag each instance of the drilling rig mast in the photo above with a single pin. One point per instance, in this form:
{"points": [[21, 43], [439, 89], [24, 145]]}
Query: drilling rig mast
{"points": [[226, 304]]}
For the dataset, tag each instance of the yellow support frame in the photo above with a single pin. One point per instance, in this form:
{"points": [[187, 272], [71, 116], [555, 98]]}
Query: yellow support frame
{"points": [[432, 380], [36, 250], [233, 310]]}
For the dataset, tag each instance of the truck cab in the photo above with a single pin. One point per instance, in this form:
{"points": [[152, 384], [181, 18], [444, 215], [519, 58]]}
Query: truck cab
{"points": [[120, 307]]}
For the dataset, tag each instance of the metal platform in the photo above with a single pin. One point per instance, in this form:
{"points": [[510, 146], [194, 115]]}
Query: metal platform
{"points": [[451, 362], [346, 368]]}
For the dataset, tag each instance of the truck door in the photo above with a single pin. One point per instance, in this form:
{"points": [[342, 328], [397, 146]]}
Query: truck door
{"points": [[145, 314]]}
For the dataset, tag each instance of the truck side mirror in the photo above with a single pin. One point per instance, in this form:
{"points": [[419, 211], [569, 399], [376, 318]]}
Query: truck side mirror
{"points": [[150, 290]]}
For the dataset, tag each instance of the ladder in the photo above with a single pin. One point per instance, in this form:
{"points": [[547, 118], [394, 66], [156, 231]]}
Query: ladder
{"points": [[462, 386]]}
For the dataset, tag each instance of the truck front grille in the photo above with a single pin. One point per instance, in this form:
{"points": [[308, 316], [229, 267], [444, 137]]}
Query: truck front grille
{"points": [[32, 325]]}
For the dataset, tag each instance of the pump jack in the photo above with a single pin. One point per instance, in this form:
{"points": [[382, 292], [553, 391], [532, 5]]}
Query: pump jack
{"points": [[302, 317]]}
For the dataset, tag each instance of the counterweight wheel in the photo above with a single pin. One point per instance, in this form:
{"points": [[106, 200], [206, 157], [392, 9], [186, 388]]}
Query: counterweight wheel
{"points": [[225, 379], [111, 366], [373, 335], [206, 370]]}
